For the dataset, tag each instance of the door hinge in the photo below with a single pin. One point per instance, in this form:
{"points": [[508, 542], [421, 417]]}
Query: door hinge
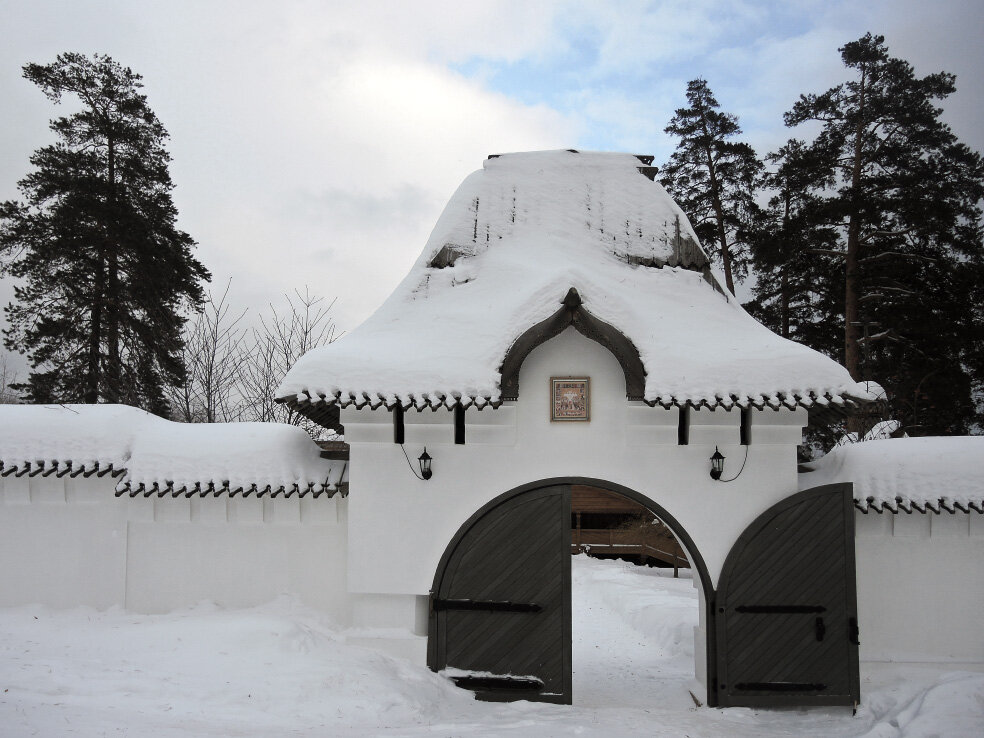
{"points": [[485, 605], [780, 609]]}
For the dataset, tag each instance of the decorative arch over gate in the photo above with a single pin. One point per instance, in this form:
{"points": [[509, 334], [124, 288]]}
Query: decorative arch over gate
{"points": [[478, 611], [574, 314]]}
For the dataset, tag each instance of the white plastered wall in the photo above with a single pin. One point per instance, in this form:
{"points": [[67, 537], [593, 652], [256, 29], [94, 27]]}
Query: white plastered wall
{"points": [[920, 586], [400, 526], [69, 542], [62, 542]]}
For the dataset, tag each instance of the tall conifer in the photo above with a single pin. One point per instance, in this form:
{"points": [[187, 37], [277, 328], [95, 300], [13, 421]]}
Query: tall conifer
{"points": [[904, 195], [796, 291], [713, 178], [103, 270]]}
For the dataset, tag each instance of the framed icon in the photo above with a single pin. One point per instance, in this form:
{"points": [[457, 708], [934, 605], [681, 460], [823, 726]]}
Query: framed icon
{"points": [[570, 398]]}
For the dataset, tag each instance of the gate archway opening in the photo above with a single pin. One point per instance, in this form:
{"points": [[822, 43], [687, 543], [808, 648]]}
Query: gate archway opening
{"points": [[500, 620], [607, 525], [635, 606]]}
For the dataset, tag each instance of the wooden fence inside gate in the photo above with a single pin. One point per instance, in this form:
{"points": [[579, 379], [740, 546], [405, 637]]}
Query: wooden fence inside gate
{"points": [[606, 524]]}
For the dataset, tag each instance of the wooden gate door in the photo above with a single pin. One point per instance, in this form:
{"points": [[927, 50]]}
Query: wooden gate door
{"points": [[501, 607], [787, 629]]}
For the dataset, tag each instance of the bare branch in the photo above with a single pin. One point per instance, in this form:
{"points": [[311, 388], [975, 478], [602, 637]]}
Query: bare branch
{"points": [[899, 254], [282, 338], [829, 252], [213, 361], [7, 377]]}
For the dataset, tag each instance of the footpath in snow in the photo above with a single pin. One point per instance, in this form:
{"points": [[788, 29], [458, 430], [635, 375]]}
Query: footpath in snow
{"points": [[283, 669]]}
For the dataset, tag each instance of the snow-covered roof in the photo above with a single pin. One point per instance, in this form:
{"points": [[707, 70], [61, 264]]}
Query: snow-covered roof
{"points": [[153, 456], [512, 242], [906, 473]]}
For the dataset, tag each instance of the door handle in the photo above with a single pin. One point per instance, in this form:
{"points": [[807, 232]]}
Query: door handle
{"points": [[853, 633], [820, 629]]}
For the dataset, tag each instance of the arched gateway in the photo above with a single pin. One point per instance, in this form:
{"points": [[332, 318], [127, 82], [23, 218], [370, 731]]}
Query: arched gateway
{"points": [[562, 324], [501, 603], [500, 607]]}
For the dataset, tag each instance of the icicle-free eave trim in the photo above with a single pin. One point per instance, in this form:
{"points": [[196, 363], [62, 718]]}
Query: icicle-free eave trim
{"points": [[334, 483], [821, 402], [937, 506], [57, 468], [211, 489], [374, 401]]}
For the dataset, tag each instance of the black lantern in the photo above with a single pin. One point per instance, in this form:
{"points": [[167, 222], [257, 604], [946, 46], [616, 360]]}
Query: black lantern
{"points": [[717, 464], [425, 464]]}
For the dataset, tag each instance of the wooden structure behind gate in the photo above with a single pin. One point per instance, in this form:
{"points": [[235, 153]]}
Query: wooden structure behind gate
{"points": [[607, 524]]}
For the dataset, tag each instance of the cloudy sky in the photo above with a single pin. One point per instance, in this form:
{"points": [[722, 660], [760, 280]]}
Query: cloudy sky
{"points": [[314, 143]]}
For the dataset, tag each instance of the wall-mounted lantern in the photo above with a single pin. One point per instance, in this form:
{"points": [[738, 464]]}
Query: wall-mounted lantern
{"points": [[425, 464], [717, 464], [424, 460]]}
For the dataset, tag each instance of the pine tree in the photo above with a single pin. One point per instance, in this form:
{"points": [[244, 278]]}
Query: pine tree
{"points": [[104, 272], [904, 195], [796, 292], [713, 178]]}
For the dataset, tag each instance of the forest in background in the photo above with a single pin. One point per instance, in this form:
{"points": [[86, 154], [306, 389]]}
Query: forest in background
{"points": [[864, 242]]}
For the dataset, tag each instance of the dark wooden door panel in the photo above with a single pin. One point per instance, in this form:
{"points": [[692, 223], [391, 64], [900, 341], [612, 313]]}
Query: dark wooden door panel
{"points": [[786, 606], [502, 608]]}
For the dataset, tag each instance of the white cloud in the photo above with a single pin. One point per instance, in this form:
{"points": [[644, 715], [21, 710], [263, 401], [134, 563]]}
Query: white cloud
{"points": [[668, 32], [758, 58], [337, 164], [313, 144], [449, 30]]}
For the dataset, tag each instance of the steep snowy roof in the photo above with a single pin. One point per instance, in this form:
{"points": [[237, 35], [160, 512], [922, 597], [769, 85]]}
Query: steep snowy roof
{"points": [[512, 242], [906, 473], [151, 455]]}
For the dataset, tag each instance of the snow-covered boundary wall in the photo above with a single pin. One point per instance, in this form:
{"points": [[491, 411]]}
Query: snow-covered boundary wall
{"points": [[920, 586], [67, 541], [919, 544]]}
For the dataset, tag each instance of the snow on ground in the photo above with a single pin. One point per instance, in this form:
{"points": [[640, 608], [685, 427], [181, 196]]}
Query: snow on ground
{"points": [[283, 669]]}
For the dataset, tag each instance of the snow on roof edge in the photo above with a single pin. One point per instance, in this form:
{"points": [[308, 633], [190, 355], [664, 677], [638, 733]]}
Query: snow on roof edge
{"points": [[906, 474], [442, 334], [154, 456], [375, 400]]}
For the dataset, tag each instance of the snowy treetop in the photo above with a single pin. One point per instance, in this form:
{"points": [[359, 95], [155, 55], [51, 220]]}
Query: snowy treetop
{"points": [[906, 473], [152, 453], [513, 240]]}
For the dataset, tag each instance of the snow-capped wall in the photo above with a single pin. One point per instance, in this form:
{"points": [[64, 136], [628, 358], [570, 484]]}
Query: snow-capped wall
{"points": [[919, 544], [153, 456], [105, 505], [897, 473], [69, 541], [920, 586]]}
